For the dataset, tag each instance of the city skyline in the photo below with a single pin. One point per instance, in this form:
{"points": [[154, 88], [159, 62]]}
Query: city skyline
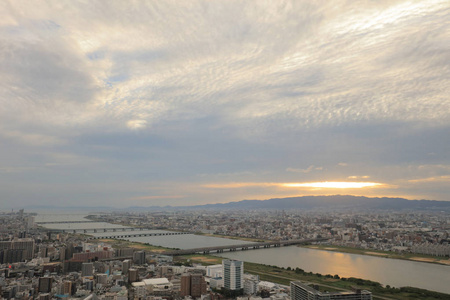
{"points": [[167, 103]]}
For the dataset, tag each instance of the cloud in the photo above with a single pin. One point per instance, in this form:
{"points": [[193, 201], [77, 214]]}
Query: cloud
{"points": [[431, 179], [155, 197], [32, 139], [137, 124], [169, 91], [356, 177], [320, 185], [307, 170]]}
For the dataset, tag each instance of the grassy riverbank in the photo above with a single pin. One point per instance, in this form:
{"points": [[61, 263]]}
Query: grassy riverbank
{"points": [[118, 244], [379, 253], [233, 237], [328, 282]]}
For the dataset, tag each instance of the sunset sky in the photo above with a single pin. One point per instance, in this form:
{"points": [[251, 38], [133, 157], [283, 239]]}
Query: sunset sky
{"points": [[140, 103]]}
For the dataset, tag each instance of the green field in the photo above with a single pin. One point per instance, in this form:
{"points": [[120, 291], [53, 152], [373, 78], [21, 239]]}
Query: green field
{"points": [[118, 244], [328, 282]]}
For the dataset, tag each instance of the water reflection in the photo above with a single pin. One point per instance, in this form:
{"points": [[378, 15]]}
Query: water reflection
{"points": [[387, 271]]}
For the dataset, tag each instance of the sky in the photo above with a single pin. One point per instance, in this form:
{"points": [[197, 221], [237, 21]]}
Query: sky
{"points": [[141, 103]]}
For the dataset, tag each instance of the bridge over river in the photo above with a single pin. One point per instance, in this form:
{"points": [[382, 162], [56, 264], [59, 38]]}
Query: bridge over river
{"points": [[66, 222], [130, 235], [118, 232], [248, 246]]}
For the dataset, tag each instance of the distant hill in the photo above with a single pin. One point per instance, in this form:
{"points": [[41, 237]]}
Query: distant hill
{"points": [[340, 202]]}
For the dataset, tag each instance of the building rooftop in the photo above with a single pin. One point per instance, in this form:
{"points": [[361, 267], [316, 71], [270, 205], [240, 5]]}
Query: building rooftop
{"points": [[154, 281]]}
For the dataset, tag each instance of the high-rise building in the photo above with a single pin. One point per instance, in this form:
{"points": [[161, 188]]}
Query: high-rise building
{"points": [[139, 257], [87, 269], [126, 264], [124, 252], [62, 253], [133, 275], [185, 285], [45, 284], [193, 285], [251, 284], [67, 287], [43, 251], [11, 256], [198, 285], [88, 285], [233, 274], [29, 222], [301, 291], [26, 244], [102, 278]]}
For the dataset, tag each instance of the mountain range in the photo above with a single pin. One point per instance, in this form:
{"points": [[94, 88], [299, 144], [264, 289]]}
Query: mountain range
{"points": [[317, 202]]}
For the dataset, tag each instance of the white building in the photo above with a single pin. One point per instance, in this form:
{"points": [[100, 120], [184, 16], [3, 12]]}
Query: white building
{"points": [[233, 274], [158, 284], [214, 271]]}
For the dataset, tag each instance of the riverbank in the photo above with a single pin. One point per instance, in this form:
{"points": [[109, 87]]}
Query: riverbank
{"points": [[370, 252], [330, 282], [379, 253], [119, 244], [231, 237], [327, 282]]}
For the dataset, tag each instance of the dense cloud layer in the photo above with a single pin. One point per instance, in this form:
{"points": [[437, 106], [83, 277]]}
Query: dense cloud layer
{"points": [[169, 102]]}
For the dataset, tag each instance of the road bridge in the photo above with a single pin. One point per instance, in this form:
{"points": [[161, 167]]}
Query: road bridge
{"points": [[130, 235], [242, 247], [97, 230], [65, 222]]}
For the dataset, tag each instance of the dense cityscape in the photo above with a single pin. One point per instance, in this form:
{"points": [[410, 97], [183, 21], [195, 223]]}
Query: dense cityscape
{"points": [[414, 232], [41, 263], [215, 150]]}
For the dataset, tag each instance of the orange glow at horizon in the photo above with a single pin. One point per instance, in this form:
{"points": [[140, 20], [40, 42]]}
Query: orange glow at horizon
{"points": [[334, 184], [316, 185]]}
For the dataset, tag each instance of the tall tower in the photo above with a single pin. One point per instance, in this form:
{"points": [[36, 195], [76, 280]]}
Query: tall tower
{"points": [[233, 274]]}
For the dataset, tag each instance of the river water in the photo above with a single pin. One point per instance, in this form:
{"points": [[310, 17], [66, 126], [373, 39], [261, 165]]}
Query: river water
{"points": [[394, 272]]}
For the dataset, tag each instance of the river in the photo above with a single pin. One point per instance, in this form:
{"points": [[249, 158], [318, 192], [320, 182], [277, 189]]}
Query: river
{"points": [[394, 272]]}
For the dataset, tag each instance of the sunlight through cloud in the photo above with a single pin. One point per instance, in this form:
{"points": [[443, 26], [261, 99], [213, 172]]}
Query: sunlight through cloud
{"points": [[335, 185]]}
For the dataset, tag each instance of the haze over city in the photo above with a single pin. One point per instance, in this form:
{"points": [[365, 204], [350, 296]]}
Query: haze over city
{"points": [[112, 103]]}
